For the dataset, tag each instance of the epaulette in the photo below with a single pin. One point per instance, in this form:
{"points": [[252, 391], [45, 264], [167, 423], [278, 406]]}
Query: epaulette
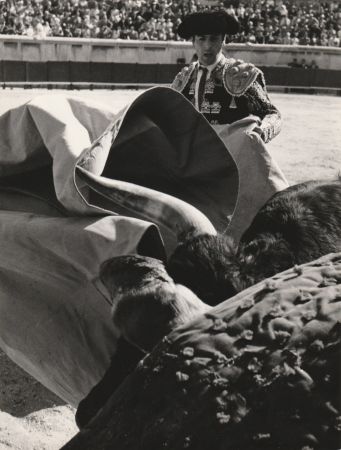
{"points": [[238, 76], [182, 77]]}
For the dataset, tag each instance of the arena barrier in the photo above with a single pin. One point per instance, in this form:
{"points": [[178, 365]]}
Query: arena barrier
{"points": [[111, 75], [83, 50]]}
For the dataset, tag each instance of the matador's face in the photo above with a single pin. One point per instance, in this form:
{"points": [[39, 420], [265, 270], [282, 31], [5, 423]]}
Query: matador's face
{"points": [[207, 47]]}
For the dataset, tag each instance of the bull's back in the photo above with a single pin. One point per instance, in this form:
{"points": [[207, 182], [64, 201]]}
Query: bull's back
{"points": [[306, 211]]}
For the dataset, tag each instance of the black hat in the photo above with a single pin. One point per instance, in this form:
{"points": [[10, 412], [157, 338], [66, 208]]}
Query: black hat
{"points": [[208, 22]]}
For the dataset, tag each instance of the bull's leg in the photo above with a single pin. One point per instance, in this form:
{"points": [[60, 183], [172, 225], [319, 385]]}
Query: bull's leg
{"points": [[122, 363]]}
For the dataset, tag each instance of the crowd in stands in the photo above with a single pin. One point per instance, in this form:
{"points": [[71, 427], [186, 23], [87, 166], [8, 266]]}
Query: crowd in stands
{"points": [[262, 21]]}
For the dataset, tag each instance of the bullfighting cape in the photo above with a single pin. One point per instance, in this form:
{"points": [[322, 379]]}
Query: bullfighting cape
{"points": [[81, 183]]}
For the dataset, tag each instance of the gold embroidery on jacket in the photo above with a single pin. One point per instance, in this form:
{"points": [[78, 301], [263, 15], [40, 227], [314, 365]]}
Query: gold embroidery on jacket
{"points": [[209, 86], [183, 77]]}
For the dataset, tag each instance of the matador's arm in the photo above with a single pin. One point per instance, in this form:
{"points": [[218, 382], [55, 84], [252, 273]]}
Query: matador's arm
{"points": [[261, 106], [245, 79]]}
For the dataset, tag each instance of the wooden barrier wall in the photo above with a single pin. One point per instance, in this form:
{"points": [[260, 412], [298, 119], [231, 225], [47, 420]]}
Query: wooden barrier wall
{"points": [[22, 48], [135, 74]]}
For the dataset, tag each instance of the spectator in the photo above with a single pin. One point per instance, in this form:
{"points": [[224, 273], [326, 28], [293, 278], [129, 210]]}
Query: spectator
{"points": [[260, 36], [144, 36], [294, 63], [324, 39], [287, 38], [116, 33], [38, 29], [333, 40], [105, 32], [3, 26], [132, 33], [230, 10], [304, 64], [241, 11], [313, 65], [295, 40]]}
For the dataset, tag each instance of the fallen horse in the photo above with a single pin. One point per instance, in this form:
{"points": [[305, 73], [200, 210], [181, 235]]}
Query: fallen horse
{"points": [[260, 370]]}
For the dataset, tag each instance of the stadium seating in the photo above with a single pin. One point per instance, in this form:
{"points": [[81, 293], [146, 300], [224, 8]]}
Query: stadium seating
{"points": [[263, 21]]}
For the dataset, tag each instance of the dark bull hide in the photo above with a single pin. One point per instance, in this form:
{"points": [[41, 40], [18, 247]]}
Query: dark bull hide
{"points": [[295, 226]]}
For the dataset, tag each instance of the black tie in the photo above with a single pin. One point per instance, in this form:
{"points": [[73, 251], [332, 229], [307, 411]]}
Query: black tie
{"points": [[201, 89]]}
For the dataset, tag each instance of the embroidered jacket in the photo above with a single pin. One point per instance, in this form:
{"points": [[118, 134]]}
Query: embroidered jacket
{"points": [[233, 90]]}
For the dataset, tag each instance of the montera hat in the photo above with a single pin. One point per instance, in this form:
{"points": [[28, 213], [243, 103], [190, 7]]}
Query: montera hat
{"points": [[208, 22]]}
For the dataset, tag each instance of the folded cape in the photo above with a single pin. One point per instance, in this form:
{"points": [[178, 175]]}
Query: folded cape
{"points": [[81, 183]]}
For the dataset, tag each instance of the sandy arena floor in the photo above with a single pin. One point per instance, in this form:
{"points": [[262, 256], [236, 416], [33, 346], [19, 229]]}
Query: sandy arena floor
{"points": [[309, 147]]}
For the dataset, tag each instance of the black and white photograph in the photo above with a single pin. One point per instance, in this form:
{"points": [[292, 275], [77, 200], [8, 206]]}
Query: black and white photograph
{"points": [[170, 225]]}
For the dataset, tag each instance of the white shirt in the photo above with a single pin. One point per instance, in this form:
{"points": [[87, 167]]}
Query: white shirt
{"points": [[209, 68]]}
